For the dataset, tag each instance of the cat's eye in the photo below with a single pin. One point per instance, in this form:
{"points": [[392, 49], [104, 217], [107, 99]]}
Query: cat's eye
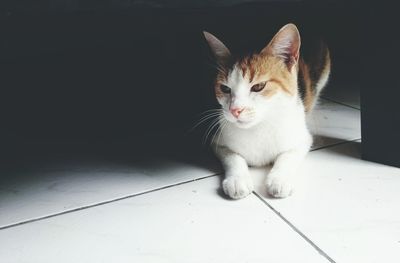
{"points": [[225, 89], [258, 87]]}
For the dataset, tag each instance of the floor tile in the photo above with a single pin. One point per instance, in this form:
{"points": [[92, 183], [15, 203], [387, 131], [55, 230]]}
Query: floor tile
{"points": [[40, 190], [331, 123], [349, 207], [185, 223]]}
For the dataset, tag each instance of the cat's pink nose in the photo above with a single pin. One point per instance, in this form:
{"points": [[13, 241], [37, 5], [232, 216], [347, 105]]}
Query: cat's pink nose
{"points": [[236, 111]]}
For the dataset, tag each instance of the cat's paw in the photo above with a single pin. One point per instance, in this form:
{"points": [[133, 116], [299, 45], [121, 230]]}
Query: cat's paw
{"points": [[238, 187], [279, 186]]}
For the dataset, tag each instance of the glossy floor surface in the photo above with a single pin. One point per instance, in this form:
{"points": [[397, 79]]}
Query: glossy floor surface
{"points": [[168, 207]]}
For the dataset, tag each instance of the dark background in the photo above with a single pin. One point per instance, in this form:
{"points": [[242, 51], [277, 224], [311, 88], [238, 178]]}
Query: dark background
{"points": [[110, 73], [105, 71], [380, 82]]}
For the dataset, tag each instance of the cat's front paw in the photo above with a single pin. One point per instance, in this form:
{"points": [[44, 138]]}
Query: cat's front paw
{"points": [[279, 186], [238, 187]]}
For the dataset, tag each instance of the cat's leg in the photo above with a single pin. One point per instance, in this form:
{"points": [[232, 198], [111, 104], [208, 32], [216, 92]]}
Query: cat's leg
{"points": [[237, 183], [280, 181]]}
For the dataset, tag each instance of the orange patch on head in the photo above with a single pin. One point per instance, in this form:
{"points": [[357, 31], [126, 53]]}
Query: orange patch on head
{"points": [[252, 66], [259, 68]]}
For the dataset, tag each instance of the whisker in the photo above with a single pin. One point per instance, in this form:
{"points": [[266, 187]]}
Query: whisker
{"points": [[224, 124], [211, 128], [216, 132], [204, 119], [208, 114], [211, 110]]}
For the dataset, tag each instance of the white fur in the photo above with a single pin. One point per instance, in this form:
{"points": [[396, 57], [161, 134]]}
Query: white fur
{"points": [[323, 80], [269, 130]]}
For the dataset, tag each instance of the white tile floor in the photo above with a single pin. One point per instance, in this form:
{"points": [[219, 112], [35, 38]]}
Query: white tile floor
{"points": [[169, 210]]}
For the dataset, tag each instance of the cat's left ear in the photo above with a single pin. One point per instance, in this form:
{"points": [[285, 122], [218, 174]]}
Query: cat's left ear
{"points": [[286, 45], [220, 51]]}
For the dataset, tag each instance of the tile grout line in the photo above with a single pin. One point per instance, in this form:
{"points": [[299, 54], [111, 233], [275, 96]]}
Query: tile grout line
{"points": [[142, 193], [104, 202], [309, 241], [341, 103], [137, 194], [335, 144]]}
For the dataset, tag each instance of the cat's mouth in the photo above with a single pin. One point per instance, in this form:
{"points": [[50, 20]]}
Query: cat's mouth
{"points": [[244, 124]]}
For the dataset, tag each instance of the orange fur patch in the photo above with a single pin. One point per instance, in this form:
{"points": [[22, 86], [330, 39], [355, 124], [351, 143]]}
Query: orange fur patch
{"points": [[258, 68], [303, 77]]}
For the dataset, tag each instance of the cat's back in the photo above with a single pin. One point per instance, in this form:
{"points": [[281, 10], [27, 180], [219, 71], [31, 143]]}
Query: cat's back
{"points": [[314, 69]]}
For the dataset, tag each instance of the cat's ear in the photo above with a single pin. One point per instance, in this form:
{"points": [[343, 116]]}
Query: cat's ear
{"points": [[285, 44], [220, 51]]}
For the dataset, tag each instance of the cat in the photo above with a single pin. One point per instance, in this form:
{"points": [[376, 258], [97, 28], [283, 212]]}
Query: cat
{"points": [[264, 99]]}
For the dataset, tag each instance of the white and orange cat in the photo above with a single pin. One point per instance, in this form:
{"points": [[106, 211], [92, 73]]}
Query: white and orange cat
{"points": [[264, 100]]}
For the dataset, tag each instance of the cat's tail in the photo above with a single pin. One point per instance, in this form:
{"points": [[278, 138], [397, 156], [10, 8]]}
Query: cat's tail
{"points": [[314, 71], [325, 69]]}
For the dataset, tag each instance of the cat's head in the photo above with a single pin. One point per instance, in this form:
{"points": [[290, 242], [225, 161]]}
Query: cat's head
{"points": [[248, 88]]}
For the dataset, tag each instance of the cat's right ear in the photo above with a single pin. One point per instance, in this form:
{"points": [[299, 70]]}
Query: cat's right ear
{"points": [[220, 51]]}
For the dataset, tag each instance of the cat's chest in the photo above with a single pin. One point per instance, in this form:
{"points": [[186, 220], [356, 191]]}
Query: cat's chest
{"points": [[258, 146]]}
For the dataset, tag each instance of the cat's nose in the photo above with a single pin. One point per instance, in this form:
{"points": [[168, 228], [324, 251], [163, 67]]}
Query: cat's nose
{"points": [[236, 111]]}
